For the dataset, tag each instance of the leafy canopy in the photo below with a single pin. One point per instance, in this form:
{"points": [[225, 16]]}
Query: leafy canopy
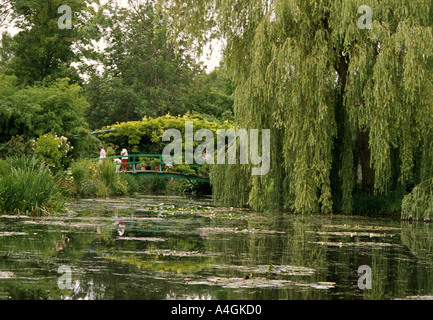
{"points": [[143, 73], [34, 111], [145, 136], [42, 51]]}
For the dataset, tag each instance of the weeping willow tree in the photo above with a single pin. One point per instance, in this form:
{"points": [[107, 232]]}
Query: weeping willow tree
{"points": [[343, 102]]}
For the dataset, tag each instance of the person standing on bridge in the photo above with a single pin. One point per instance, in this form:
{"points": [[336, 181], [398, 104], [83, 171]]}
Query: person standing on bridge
{"points": [[125, 158], [102, 154]]}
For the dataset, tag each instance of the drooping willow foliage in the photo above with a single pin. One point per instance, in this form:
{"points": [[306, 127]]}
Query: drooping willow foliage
{"points": [[335, 96], [418, 205]]}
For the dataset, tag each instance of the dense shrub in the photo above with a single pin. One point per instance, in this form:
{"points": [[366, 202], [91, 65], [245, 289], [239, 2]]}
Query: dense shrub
{"points": [[133, 184], [16, 146], [53, 150], [107, 172], [120, 187], [100, 179]]}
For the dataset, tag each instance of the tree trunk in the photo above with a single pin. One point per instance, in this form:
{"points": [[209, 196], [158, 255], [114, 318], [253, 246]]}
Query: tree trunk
{"points": [[362, 137], [364, 160]]}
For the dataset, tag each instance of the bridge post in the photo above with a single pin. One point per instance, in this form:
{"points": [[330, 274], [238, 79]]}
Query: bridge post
{"points": [[133, 165]]}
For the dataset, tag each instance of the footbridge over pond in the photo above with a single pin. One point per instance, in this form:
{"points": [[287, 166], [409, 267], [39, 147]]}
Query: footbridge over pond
{"points": [[153, 165]]}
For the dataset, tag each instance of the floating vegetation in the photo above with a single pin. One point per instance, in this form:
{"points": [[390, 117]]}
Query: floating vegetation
{"points": [[9, 234], [6, 275], [418, 298], [355, 244], [258, 282], [323, 285], [290, 270], [361, 227], [172, 210], [228, 215], [148, 239], [7, 216], [145, 205], [239, 230], [270, 269], [61, 223], [173, 253], [241, 283], [174, 296], [354, 234]]}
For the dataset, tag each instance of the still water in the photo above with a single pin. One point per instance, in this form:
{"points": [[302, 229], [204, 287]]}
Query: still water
{"points": [[179, 248]]}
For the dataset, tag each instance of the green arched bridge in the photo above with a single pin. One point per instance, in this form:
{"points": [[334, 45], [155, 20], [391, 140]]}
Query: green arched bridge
{"points": [[152, 165]]}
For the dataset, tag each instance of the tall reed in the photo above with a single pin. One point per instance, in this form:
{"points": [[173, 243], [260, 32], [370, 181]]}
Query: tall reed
{"points": [[28, 186]]}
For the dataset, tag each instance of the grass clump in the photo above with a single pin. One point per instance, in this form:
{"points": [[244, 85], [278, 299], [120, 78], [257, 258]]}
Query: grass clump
{"points": [[99, 179], [28, 186]]}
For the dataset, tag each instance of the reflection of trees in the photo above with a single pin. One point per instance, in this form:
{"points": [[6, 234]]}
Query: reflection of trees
{"points": [[418, 238], [397, 272], [127, 252], [105, 267], [267, 240], [300, 249], [35, 258], [380, 270], [289, 246]]}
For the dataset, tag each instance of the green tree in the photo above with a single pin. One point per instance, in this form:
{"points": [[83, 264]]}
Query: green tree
{"points": [[42, 50], [34, 111], [4, 12], [144, 74], [211, 95], [335, 95], [5, 52]]}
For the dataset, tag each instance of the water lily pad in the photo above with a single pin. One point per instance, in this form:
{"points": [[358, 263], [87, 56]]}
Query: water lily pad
{"points": [[241, 283], [148, 239], [7, 216], [62, 223], [419, 297], [240, 230], [354, 244], [258, 282], [360, 227], [355, 234], [173, 253], [266, 269], [323, 285], [6, 275], [9, 234]]}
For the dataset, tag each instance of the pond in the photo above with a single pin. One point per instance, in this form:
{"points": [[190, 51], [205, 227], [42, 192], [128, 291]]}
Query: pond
{"points": [[162, 248]]}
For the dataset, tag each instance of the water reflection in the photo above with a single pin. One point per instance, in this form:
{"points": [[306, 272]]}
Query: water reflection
{"points": [[177, 248]]}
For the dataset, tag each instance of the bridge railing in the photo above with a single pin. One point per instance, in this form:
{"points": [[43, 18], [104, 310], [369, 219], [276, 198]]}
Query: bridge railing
{"points": [[135, 159]]}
